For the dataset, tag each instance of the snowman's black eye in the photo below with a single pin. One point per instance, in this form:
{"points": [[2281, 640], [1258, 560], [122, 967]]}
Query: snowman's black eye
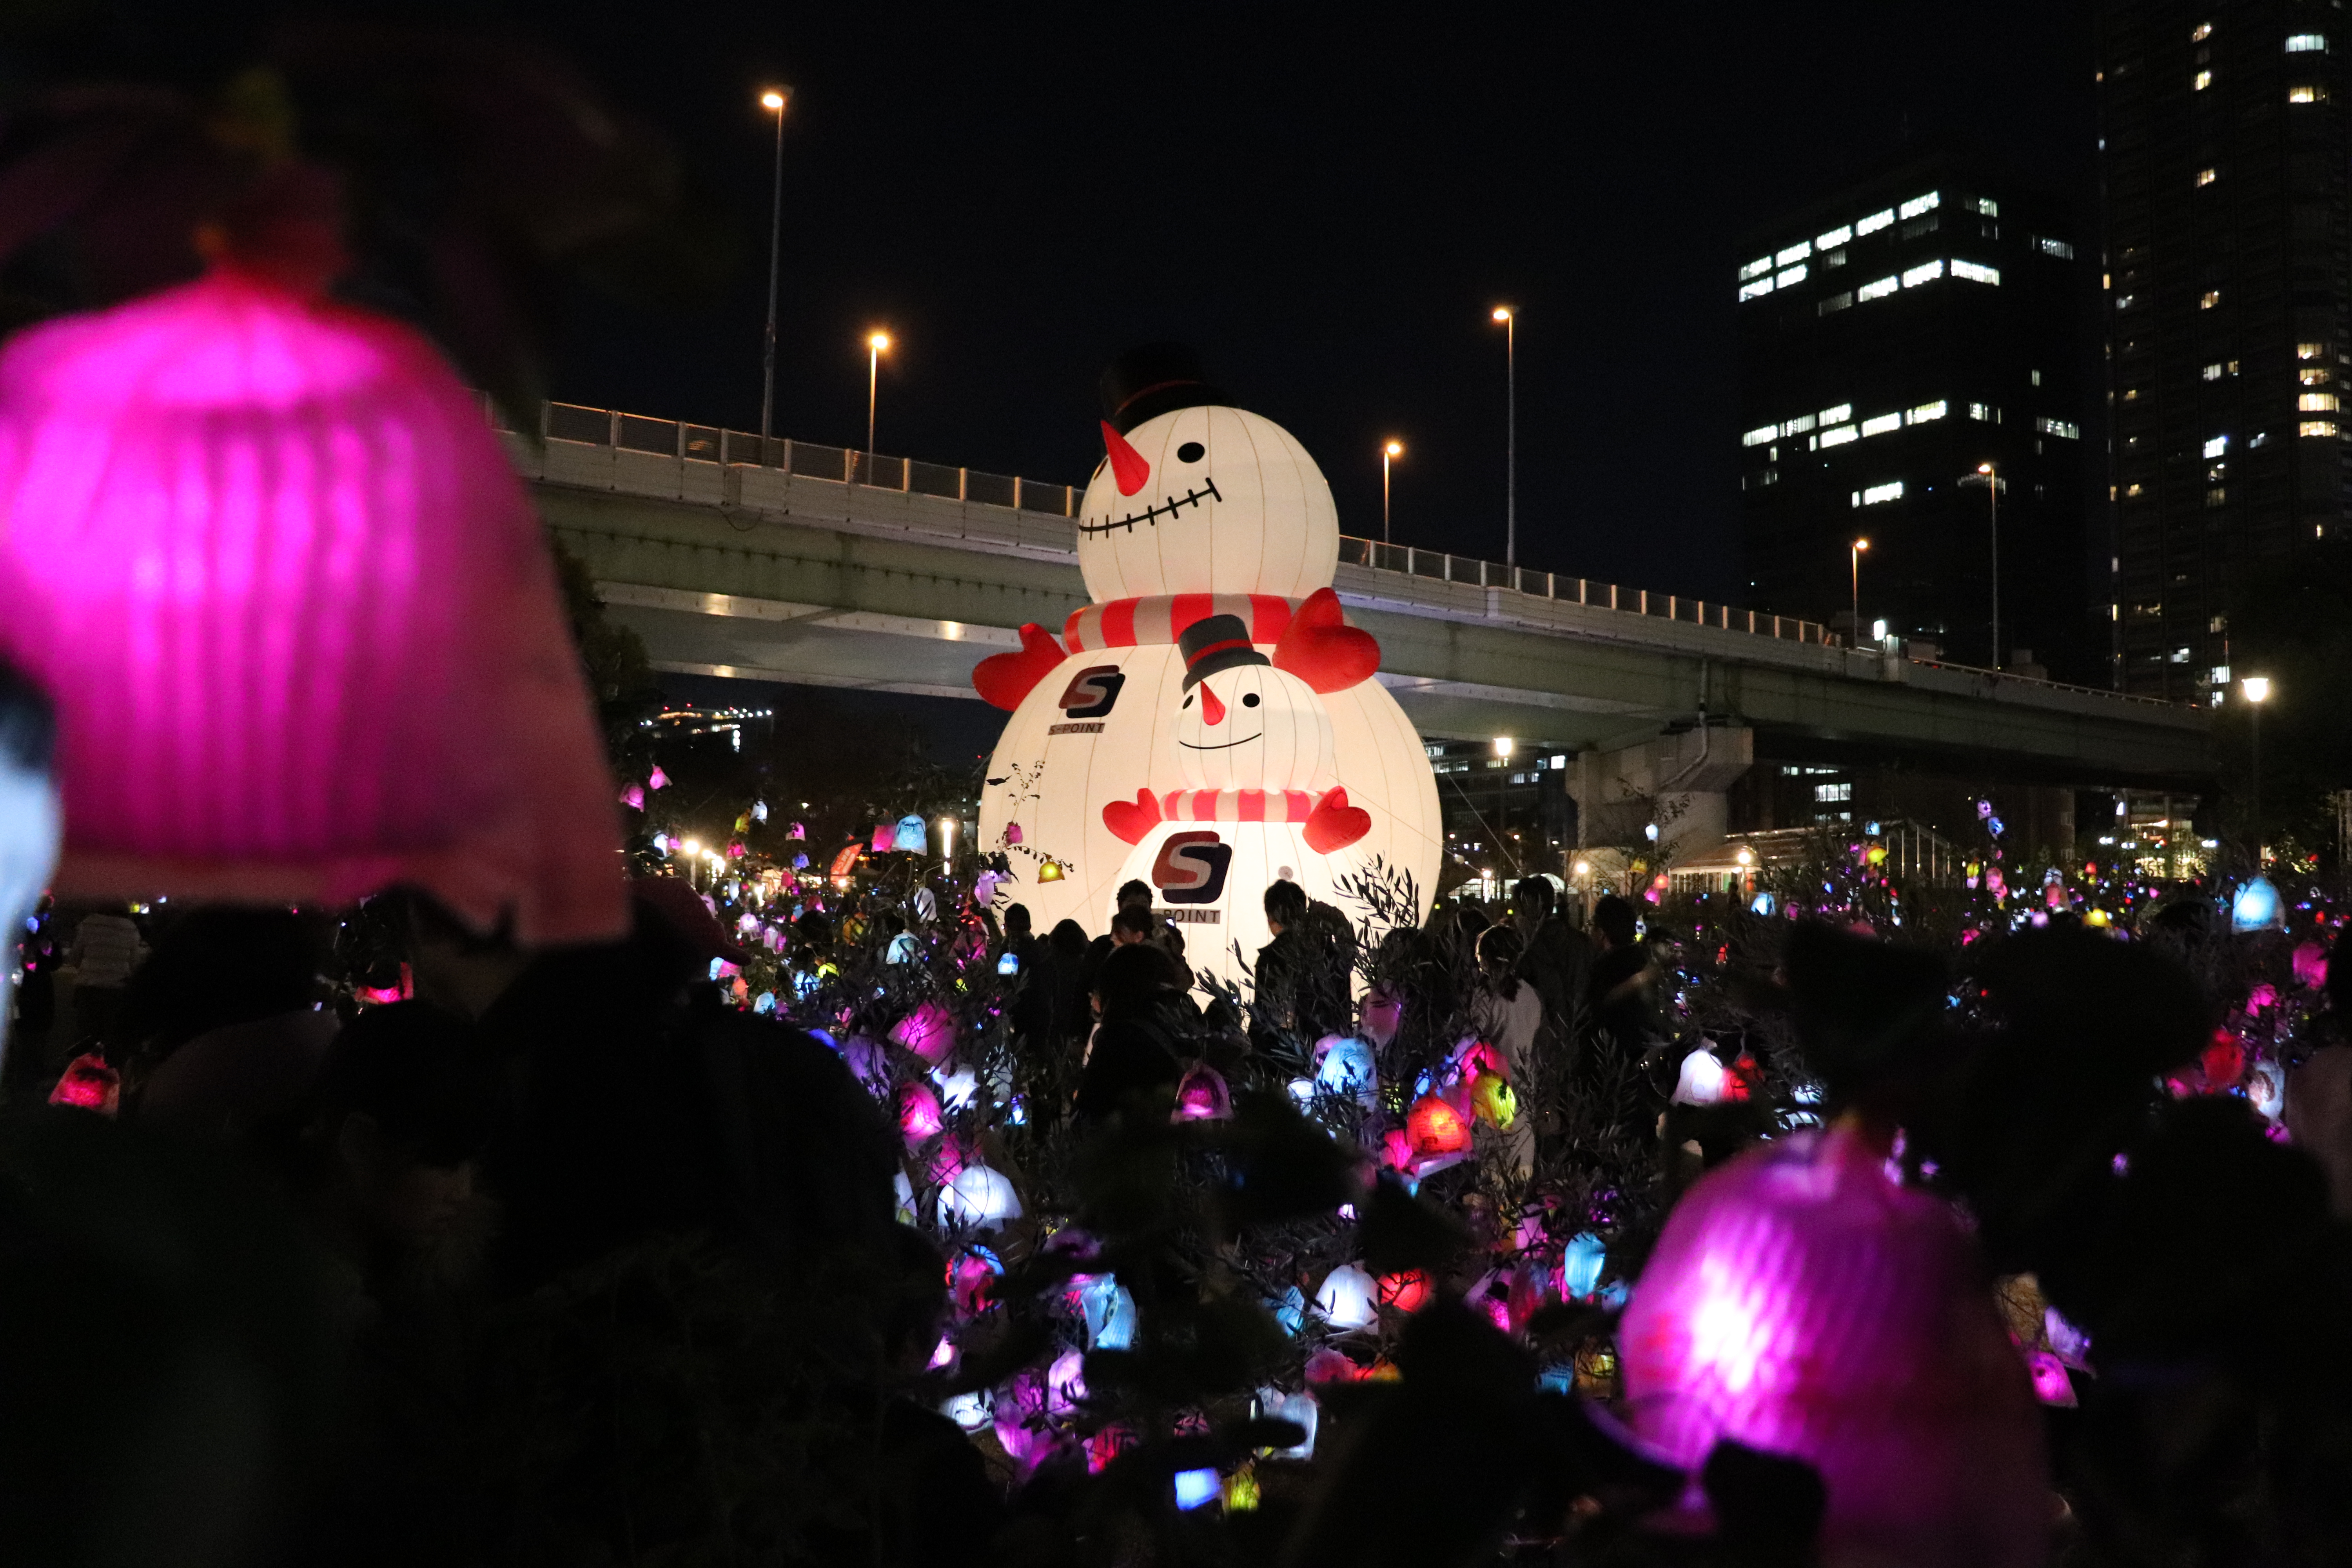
{"points": [[1250, 699], [1191, 452]]}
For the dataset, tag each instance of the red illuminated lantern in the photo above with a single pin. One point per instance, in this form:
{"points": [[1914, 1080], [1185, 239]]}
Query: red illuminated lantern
{"points": [[1435, 1127], [296, 612], [1407, 1292]]}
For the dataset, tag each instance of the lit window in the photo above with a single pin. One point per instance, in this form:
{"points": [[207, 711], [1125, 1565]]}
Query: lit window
{"points": [[1756, 269], [1838, 415], [2306, 43], [1981, 412], [1834, 302], [1919, 205], [1840, 437], [1834, 792], [2315, 375], [2066, 429], [1882, 423], [2131, 489], [2217, 445], [2311, 350], [2315, 402], [1976, 273], [2315, 93], [2207, 300], [2204, 31], [1797, 426], [1796, 252], [1757, 437], [2207, 177], [2180, 656], [2036, 376], [1836, 238], [1793, 275], [1987, 205], [1761, 287], [1878, 289], [2259, 439], [2317, 427], [2218, 675], [1874, 223], [1876, 494], [2216, 496], [2211, 371], [1926, 272], [2203, 80], [1927, 411], [2057, 248]]}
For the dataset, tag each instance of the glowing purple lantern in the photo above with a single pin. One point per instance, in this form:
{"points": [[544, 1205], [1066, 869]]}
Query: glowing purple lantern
{"points": [[1802, 1303], [303, 636], [928, 1031], [1203, 1097]]}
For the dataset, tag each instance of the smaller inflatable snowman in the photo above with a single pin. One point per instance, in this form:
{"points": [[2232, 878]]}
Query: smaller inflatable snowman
{"points": [[1257, 801]]}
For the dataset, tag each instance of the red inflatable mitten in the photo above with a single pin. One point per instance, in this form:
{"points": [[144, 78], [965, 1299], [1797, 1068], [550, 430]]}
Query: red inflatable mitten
{"points": [[1132, 820], [1334, 824], [1322, 649], [1002, 679]]}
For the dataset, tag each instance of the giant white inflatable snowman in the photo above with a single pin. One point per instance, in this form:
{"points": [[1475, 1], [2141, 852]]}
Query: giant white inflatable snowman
{"points": [[1111, 768]]}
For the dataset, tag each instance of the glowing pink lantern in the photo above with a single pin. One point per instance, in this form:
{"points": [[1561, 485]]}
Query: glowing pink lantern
{"points": [[1203, 1097], [1802, 1303], [297, 615], [2310, 965], [657, 779], [89, 1084], [928, 1031], [919, 1112]]}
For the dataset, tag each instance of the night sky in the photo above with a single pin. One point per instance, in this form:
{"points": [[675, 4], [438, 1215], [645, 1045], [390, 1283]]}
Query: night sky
{"points": [[1326, 206]]}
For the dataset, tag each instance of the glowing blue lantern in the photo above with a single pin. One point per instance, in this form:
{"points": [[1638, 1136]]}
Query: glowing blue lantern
{"points": [[1579, 1265], [1110, 1313], [1273, 1405], [969, 1411], [2257, 907], [1347, 1068], [1765, 904], [1197, 1488], [913, 834]]}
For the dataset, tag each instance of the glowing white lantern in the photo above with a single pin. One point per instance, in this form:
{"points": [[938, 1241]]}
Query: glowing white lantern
{"points": [[979, 1198], [1701, 1082], [1348, 1299]]}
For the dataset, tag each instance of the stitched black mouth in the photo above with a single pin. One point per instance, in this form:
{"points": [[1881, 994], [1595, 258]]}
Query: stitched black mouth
{"points": [[1228, 747], [1153, 514]]}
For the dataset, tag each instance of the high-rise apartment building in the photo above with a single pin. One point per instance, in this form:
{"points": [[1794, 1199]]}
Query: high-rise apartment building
{"points": [[2224, 153], [1894, 340]]}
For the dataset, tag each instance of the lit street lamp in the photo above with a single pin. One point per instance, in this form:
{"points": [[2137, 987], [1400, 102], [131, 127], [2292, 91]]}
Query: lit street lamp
{"points": [[773, 101], [2258, 690], [1389, 453], [1993, 484], [874, 344], [1854, 555], [1510, 321]]}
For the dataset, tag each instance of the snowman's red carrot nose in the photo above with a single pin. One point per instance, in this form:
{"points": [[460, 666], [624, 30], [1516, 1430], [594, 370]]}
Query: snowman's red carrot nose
{"points": [[1127, 464], [1212, 710]]}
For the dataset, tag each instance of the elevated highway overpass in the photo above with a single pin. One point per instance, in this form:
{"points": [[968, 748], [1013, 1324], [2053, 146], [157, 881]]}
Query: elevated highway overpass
{"points": [[788, 562]]}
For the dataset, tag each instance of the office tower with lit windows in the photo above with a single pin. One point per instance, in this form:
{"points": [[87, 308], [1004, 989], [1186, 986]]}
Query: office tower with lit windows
{"points": [[1894, 340], [2223, 151]]}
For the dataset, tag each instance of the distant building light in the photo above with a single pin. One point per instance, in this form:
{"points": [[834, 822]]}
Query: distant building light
{"points": [[1879, 424], [1756, 269], [1757, 437], [1830, 304], [2057, 248], [2217, 445], [2209, 300], [1987, 205], [2311, 350], [2306, 43], [1797, 426], [1927, 411], [2315, 402], [2315, 93], [1875, 222], [1835, 239], [1840, 435], [1793, 275], [2325, 428], [2066, 429], [2204, 31], [1919, 205], [1877, 495], [1838, 415], [2203, 79], [2207, 177], [1926, 272], [1976, 272], [2211, 371], [1796, 252], [1756, 291], [1877, 290]]}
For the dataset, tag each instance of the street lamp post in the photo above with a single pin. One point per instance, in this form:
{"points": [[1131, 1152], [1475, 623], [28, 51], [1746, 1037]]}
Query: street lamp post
{"points": [[1510, 321], [874, 344], [1502, 798], [773, 101], [1854, 555], [1389, 453], [2258, 690]]}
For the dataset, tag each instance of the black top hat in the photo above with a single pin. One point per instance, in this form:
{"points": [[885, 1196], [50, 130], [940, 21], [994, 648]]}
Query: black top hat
{"points": [[1213, 643], [1152, 380]]}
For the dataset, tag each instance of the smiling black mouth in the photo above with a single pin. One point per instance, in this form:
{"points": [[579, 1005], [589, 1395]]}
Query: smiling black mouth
{"points": [[1153, 514], [1228, 747]]}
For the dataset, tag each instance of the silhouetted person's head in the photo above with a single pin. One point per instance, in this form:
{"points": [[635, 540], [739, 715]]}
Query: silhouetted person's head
{"points": [[1532, 898], [1133, 979], [406, 1106], [1499, 949], [1130, 924], [1016, 920], [1134, 893], [1068, 940], [1286, 905], [217, 966], [1612, 917]]}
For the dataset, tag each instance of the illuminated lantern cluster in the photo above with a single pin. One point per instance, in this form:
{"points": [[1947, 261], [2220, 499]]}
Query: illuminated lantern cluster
{"points": [[1801, 1303], [266, 555]]}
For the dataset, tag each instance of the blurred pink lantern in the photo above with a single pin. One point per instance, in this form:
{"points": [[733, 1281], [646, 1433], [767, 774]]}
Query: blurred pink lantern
{"points": [[265, 552], [1203, 1097], [657, 779], [919, 1112], [1802, 1303], [928, 1031], [2310, 965]]}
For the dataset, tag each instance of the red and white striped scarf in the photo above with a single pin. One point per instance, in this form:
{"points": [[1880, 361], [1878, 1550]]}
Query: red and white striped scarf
{"points": [[1163, 617], [1239, 805]]}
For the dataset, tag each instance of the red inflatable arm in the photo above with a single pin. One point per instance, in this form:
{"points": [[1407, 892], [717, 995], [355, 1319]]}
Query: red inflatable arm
{"points": [[1002, 679], [1322, 649]]}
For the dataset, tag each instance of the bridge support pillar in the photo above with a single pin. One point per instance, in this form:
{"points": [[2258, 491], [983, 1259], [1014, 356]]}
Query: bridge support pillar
{"points": [[1676, 781]]}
